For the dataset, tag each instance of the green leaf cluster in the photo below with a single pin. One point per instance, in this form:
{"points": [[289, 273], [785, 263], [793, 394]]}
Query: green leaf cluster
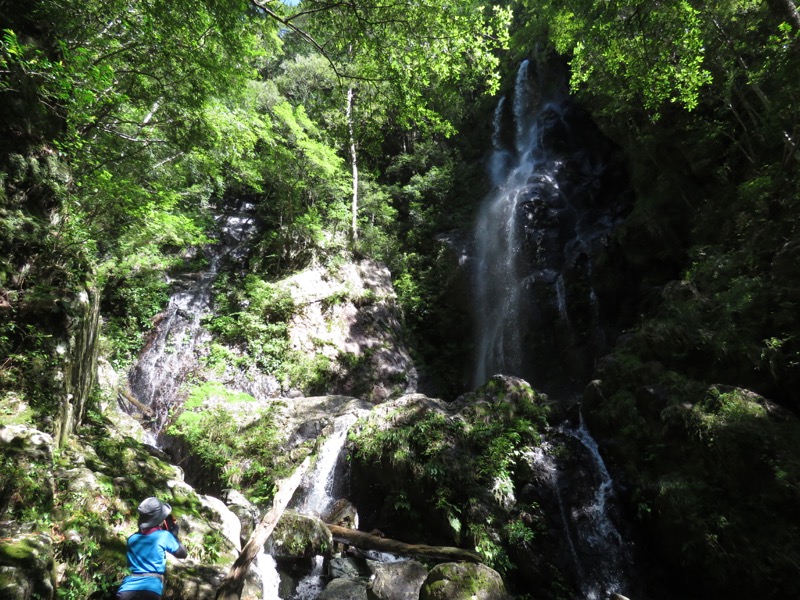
{"points": [[247, 457], [253, 317], [445, 466]]}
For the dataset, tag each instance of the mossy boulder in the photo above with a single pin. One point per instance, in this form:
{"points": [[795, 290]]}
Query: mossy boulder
{"points": [[27, 442], [416, 461], [26, 563], [351, 588], [299, 536], [456, 581], [27, 485]]}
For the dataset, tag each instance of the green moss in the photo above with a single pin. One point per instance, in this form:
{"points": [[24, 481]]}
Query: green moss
{"points": [[24, 550], [250, 458], [214, 390]]}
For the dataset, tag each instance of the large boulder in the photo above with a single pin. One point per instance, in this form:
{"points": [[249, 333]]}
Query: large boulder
{"points": [[351, 588], [26, 563], [457, 581], [401, 580], [26, 464], [347, 567], [299, 536], [26, 442]]}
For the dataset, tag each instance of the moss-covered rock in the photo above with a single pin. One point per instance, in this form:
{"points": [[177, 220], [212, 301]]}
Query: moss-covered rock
{"points": [[26, 563], [299, 536], [456, 581], [426, 471], [400, 580]]}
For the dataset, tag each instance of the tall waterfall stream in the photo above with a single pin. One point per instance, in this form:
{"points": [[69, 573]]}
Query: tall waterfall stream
{"points": [[529, 233], [170, 358]]}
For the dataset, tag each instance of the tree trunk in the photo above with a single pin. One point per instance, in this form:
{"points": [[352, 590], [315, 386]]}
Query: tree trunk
{"points": [[366, 541], [231, 586], [354, 162], [79, 362], [785, 9]]}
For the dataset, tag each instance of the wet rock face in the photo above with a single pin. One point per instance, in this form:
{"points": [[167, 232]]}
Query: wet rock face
{"points": [[567, 211]]}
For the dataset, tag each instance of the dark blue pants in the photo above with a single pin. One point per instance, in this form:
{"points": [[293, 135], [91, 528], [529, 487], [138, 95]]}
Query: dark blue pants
{"points": [[137, 595]]}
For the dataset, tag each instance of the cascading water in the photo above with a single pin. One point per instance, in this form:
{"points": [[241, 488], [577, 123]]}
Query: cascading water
{"points": [[319, 496], [174, 352], [606, 573], [537, 313], [537, 235]]}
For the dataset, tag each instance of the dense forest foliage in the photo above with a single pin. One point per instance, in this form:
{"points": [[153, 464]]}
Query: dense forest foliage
{"points": [[358, 129]]}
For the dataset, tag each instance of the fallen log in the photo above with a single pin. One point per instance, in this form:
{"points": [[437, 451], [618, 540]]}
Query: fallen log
{"points": [[366, 541], [231, 586], [143, 408]]}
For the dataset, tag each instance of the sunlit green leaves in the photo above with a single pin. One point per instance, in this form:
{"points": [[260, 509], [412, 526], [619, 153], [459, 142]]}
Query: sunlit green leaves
{"points": [[413, 48], [654, 51]]}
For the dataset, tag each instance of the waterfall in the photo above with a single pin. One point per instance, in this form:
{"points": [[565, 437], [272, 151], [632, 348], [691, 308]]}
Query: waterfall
{"points": [[498, 241], [581, 497], [500, 158], [537, 313], [605, 573], [318, 498], [268, 571], [536, 236], [173, 354], [522, 109]]}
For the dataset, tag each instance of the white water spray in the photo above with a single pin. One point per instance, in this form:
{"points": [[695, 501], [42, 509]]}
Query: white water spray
{"points": [[498, 245], [318, 499]]}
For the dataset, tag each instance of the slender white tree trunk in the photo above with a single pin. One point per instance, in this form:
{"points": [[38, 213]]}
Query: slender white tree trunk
{"points": [[231, 586], [354, 162]]}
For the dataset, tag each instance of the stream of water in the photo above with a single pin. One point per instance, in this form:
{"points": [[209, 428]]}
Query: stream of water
{"points": [[529, 233], [318, 498]]}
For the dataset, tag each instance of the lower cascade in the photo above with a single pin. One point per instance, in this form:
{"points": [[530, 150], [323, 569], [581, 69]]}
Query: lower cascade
{"points": [[318, 499], [606, 570]]}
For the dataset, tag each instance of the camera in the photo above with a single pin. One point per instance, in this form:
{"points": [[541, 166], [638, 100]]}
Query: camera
{"points": [[169, 524]]}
